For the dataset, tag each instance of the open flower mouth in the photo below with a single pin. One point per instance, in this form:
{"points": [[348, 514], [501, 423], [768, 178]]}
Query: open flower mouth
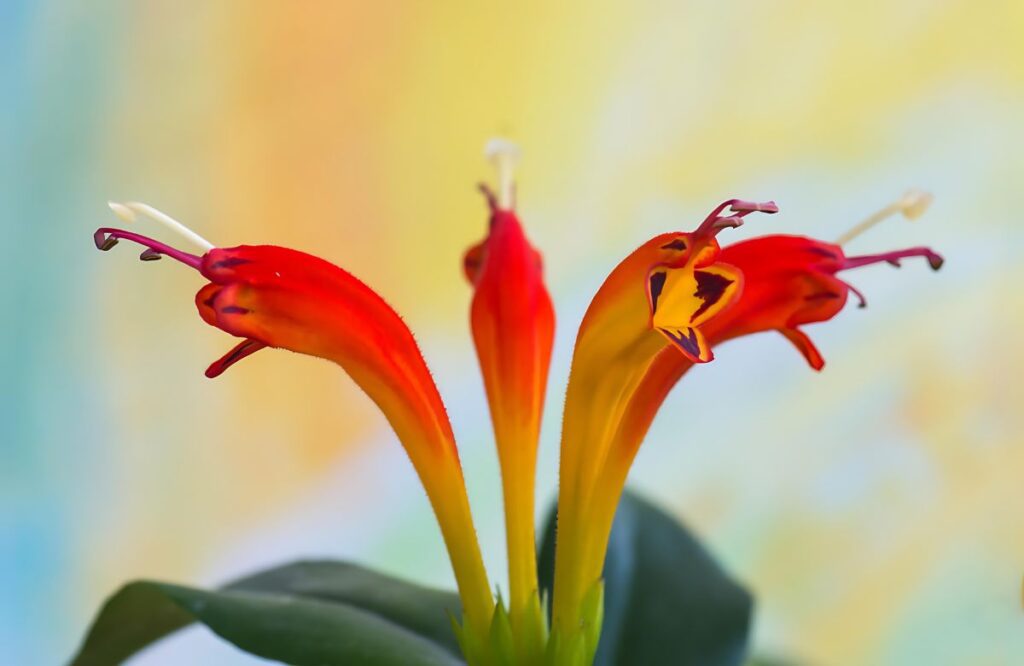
{"points": [[661, 311]]}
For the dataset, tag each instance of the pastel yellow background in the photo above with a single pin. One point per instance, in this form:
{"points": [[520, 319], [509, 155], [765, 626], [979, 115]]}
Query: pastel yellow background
{"points": [[876, 509]]}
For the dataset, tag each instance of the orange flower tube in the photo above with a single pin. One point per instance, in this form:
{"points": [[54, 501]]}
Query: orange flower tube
{"points": [[513, 323], [659, 298]]}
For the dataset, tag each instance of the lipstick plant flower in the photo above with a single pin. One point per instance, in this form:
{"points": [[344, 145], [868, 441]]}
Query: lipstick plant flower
{"points": [[664, 309]]}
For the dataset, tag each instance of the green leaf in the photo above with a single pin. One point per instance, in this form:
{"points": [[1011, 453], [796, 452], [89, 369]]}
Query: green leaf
{"points": [[422, 610], [301, 613], [762, 660], [666, 600]]}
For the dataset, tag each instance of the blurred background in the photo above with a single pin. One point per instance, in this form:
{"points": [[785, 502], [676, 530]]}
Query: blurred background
{"points": [[875, 509]]}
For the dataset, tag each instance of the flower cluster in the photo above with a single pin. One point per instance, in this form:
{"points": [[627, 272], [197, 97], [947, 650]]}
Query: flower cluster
{"points": [[662, 310]]}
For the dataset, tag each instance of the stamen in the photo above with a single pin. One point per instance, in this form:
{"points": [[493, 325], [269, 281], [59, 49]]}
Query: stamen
{"points": [[128, 211], [492, 198], [744, 207], [107, 237], [911, 205], [504, 155], [862, 301], [935, 260], [739, 208]]}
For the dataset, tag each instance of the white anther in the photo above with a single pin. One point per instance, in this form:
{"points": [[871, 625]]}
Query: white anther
{"points": [[911, 205], [914, 203], [129, 211], [504, 155]]}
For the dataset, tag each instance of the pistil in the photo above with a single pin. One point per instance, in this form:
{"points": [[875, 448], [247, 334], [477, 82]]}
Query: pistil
{"points": [[911, 205], [739, 209], [504, 155], [130, 210]]}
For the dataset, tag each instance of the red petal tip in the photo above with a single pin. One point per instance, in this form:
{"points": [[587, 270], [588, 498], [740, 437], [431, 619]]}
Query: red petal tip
{"points": [[244, 348]]}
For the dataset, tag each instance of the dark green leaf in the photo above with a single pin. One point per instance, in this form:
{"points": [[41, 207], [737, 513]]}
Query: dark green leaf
{"points": [[762, 660], [666, 600], [422, 610], [302, 613]]}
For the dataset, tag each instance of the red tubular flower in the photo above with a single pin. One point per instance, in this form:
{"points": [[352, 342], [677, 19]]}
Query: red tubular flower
{"points": [[276, 297], [789, 281], [658, 299], [513, 323], [770, 283]]}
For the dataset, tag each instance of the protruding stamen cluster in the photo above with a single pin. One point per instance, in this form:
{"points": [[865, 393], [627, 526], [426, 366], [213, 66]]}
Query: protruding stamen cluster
{"points": [[504, 155], [893, 258], [911, 205], [107, 237], [739, 208]]}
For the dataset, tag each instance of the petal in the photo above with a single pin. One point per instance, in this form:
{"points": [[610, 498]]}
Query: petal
{"points": [[789, 280], [472, 261], [690, 342], [513, 320], [513, 329], [205, 299], [804, 345], [356, 329], [238, 352]]}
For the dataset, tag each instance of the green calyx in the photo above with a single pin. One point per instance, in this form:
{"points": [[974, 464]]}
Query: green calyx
{"points": [[576, 646], [520, 636]]}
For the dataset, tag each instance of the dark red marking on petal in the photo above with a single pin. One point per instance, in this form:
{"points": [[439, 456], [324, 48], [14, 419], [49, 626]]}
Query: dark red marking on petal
{"points": [[231, 262], [687, 342], [657, 283], [677, 244], [244, 348], [234, 309], [822, 251], [710, 288], [822, 296]]}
